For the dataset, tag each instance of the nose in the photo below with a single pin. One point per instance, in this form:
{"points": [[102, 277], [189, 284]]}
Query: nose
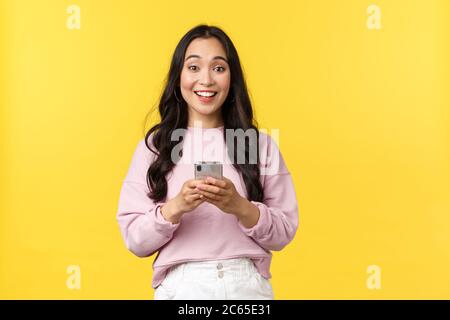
{"points": [[205, 78]]}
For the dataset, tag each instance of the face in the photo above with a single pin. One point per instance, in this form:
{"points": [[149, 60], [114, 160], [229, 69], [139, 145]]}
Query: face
{"points": [[205, 79]]}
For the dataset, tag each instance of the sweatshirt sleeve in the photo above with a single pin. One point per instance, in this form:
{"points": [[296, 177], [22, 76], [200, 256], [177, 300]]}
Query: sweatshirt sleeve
{"points": [[143, 228], [279, 218]]}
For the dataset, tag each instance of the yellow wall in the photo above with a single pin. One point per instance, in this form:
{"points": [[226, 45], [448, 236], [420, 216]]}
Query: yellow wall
{"points": [[364, 128]]}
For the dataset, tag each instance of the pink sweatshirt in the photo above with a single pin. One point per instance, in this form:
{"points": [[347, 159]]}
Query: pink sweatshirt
{"points": [[207, 233]]}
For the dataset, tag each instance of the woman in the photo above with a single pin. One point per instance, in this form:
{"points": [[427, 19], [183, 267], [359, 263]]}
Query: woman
{"points": [[213, 236]]}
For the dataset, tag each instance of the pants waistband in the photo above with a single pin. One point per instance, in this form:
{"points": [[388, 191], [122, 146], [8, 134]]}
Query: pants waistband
{"points": [[233, 269]]}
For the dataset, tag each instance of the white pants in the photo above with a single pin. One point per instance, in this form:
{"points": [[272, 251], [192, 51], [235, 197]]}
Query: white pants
{"points": [[230, 279]]}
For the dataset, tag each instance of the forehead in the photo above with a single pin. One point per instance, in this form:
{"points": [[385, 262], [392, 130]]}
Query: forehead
{"points": [[205, 48]]}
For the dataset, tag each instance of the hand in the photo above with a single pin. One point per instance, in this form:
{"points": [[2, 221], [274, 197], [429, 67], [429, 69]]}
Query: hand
{"points": [[186, 200], [222, 193]]}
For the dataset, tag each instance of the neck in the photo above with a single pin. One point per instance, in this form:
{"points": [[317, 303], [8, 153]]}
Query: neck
{"points": [[203, 121]]}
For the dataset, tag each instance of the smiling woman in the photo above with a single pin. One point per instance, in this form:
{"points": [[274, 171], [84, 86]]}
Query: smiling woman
{"points": [[205, 59], [213, 236]]}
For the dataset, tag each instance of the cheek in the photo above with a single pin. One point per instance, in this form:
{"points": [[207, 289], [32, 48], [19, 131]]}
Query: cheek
{"points": [[186, 82], [187, 88], [224, 84]]}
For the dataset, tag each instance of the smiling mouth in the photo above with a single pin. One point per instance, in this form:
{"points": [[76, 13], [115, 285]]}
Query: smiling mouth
{"points": [[205, 94]]}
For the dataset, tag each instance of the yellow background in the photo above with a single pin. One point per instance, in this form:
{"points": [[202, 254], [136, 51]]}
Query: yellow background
{"points": [[364, 128]]}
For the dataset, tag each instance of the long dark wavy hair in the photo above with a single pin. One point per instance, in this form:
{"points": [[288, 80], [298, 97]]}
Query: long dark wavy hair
{"points": [[236, 111]]}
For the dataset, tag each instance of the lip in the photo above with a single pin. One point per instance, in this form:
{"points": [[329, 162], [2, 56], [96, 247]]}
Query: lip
{"points": [[205, 99]]}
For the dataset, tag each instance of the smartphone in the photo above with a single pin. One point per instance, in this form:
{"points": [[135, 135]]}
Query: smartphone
{"points": [[203, 169]]}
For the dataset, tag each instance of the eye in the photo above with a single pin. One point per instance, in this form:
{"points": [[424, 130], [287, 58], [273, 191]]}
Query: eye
{"points": [[194, 68]]}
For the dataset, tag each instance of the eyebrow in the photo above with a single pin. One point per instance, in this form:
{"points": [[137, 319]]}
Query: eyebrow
{"points": [[197, 56]]}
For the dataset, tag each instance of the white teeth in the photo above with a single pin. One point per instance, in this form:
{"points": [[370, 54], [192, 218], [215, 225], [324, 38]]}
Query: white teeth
{"points": [[205, 94]]}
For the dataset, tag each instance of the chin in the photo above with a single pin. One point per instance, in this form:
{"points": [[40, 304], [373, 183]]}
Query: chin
{"points": [[205, 109]]}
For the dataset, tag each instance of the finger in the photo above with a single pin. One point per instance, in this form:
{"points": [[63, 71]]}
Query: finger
{"points": [[209, 188], [193, 183], [190, 191], [212, 201], [216, 182], [200, 200], [210, 195], [193, 197]]}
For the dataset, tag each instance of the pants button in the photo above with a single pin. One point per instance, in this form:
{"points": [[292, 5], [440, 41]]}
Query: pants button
{"points": [[219, 266], [220, 274]]}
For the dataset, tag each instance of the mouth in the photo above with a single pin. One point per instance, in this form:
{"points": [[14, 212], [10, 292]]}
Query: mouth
{"points": [[205, 96]]}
